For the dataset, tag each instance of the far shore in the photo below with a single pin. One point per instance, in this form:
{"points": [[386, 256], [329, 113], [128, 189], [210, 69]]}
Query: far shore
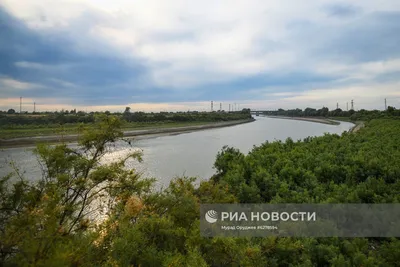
{"points": [[138, 134], [317, 120], [357, 125]]}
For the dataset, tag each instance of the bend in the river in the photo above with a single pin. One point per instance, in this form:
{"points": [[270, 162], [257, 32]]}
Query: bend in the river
{"points": [[190, 154]]}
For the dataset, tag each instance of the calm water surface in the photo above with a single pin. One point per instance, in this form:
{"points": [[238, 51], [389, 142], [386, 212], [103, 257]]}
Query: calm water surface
{"points": [[190, 154]]}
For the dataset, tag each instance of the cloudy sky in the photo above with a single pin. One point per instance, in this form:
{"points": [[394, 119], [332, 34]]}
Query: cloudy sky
{"points": [[181, 54]]}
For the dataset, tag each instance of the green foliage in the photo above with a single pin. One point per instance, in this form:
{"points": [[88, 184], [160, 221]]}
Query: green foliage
{"points": [[50, 223], [360, 168], [73, 117], [62, 205], [352, 115]]}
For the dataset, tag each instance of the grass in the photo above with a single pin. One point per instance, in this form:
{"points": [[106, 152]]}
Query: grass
{"points": [[66, 129]]}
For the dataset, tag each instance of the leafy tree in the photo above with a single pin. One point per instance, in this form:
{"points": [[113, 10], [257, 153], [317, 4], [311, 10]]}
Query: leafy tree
{"points": [[323, 112], [226, 158], [11, 111], [62, 205], [310, 112]]}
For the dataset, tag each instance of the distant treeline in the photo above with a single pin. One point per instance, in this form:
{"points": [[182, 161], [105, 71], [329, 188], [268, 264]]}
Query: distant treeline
{"points": [[10, 117], [69, 117], [325, 112]]}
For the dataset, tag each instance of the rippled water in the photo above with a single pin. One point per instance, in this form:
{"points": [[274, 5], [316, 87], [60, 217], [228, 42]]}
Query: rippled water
{"points": [[190, 154]]}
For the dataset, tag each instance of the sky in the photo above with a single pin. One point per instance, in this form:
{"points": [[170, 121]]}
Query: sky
{"points": [[178, 55]]}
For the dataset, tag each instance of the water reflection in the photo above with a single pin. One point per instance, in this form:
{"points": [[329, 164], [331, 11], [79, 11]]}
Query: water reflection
{"points": [[190, 154]]}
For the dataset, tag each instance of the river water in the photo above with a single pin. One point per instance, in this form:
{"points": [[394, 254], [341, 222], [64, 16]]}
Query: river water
{"points": [[189, 154]]}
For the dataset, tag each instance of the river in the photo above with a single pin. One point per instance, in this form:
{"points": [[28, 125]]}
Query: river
{"points": [[189, 154]]}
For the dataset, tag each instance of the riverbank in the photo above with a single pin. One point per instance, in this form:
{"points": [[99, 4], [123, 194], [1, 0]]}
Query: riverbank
{"points": [[153, 132], [317, 120], [357, 126]]}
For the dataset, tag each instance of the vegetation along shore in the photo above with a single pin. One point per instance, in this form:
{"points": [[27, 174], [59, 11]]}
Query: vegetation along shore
{"points": [[28, 129]]}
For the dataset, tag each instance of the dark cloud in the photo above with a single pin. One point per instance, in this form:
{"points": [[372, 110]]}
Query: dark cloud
{"points": [[367, 38], [62, 70], [392, 76], [342, 11], [237, 89], [373, 37]]}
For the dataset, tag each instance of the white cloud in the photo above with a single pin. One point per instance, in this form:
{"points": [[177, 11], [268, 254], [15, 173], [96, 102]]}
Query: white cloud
{"points": [[52, 104], [364, 71], [283, 94], [11, 84], [63, 83], [29, 65], [366, 96], [192, 43], [207, 41]]}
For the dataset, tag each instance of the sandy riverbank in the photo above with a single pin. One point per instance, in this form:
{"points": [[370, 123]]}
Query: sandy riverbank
{"points": [[357, 127], [138, 134], [317, 120]]}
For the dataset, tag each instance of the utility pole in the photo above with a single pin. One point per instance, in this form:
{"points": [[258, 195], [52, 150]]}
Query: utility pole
{"points": [[337, 105], [347, 105], [385, 104], [34, 107], [220, 106], [20, 104], [212, 105], [352, 104], [229, 107]]}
